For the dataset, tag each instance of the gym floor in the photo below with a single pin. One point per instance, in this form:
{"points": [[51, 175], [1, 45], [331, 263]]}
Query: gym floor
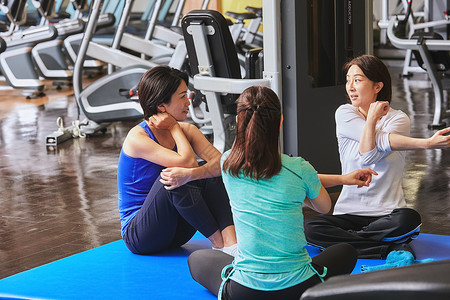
{"points": [[58, 202]]}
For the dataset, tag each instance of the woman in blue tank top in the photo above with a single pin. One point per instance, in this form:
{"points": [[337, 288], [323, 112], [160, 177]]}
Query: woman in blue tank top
{"points": [[267, 191], [165, 196]]}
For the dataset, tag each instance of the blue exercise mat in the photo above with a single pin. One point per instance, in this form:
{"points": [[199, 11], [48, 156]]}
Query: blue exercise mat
{"points": [[113, 272]]}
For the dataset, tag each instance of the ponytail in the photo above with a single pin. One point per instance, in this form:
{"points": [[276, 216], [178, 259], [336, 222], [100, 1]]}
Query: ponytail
{"points": [[255, 151]]}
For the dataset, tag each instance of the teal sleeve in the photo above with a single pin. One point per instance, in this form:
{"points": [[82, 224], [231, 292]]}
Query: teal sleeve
{"points": [[312, 181]]}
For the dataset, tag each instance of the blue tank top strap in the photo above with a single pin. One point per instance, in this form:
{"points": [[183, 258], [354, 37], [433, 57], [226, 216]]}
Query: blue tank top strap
{"points": [[147, 129]]}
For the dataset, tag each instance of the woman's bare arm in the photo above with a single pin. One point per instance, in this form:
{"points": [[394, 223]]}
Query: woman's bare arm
{"points": [[176, 176]]}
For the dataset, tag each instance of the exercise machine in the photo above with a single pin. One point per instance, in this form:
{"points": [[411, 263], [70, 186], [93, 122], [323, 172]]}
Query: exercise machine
{"points": [[48, 56], [243, 38], [15, 62], [159, 43], [247, 34], [103, 102], [72, 43], [216, 71], [414, 23], [433, 53]]}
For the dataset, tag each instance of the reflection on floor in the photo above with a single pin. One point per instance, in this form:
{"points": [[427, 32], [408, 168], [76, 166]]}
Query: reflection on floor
{"points": [[55, 203]]}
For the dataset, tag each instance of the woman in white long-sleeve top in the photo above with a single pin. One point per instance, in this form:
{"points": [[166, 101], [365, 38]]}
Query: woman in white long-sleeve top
{"points": [[371, 134]]}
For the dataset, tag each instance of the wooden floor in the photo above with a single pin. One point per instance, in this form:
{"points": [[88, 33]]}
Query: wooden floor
{"points": [[58, 202], [53, 202]]}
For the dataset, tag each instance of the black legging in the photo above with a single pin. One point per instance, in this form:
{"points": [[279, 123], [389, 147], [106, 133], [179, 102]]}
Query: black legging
{"points": [[206, 267], [373, 237], [169, 219]]}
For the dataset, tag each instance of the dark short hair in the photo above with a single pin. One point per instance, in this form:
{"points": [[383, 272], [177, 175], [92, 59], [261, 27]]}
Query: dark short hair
{"points": [[255, 150], [157, 86], [376, 71]]}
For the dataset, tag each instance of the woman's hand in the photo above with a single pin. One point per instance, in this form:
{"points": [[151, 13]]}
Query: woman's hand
{"points": [[440, 140], [175, 177], [163, 121], [377, 110], [361, 177]]}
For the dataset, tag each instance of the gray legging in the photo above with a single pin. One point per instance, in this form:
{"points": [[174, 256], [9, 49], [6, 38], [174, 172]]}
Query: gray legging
{"points": [[206, 267]]}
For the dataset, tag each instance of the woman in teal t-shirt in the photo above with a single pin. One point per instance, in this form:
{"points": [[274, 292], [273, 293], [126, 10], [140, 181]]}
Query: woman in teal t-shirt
{"points": [[267, 191]]}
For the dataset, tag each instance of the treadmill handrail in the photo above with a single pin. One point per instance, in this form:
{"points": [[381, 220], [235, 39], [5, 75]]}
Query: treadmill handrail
{"points": [[116, 57], [70, 26], [226, 85], [146, 47], [433, 45], [37, 35], [166, 34]]}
